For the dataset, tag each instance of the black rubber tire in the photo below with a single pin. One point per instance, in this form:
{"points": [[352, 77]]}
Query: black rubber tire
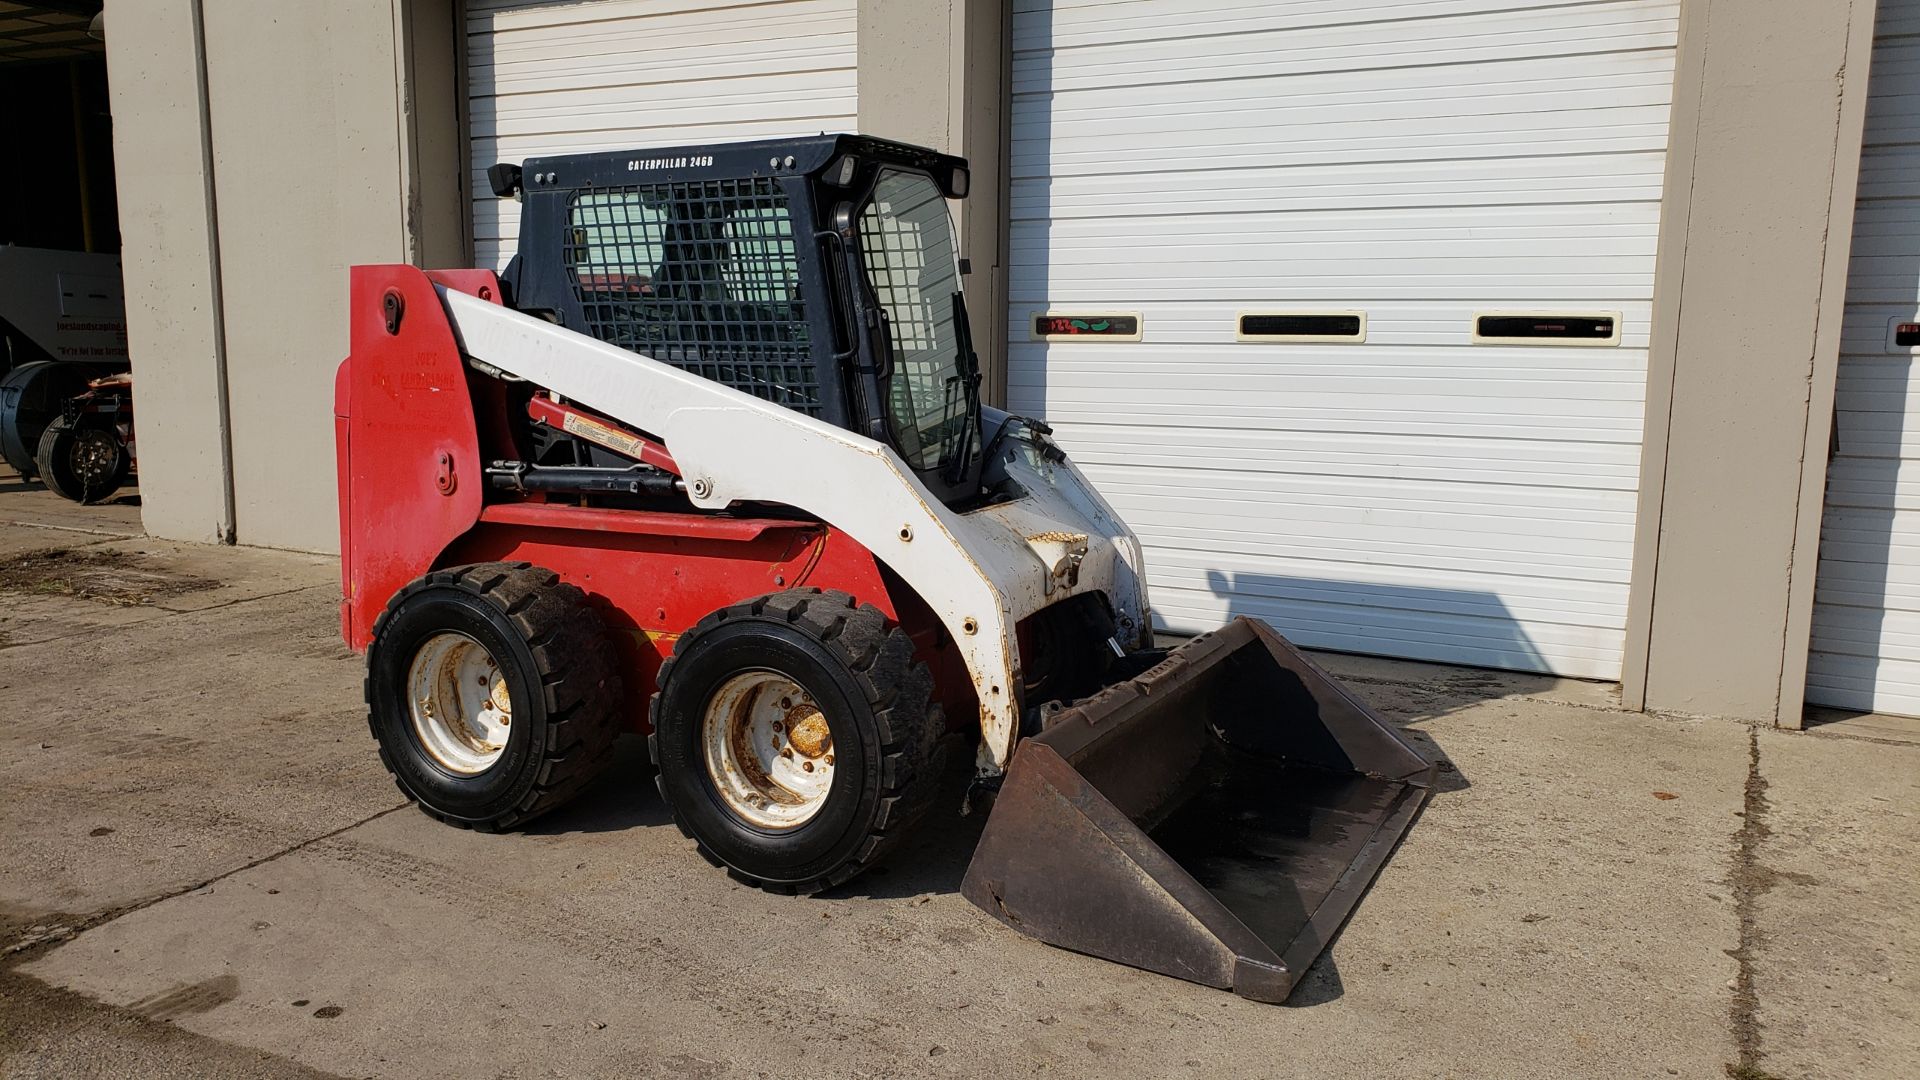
{"points": [[67, 477], [562, 673], [887, 734], [32, 396]]}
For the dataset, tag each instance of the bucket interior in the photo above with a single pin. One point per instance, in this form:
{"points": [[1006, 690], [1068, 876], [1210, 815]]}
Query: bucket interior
{"points": [[1253, 796]]}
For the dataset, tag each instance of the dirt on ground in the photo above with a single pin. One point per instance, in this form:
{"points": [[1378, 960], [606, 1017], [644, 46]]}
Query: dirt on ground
{"points": [[106, 576], [41, 1027]]}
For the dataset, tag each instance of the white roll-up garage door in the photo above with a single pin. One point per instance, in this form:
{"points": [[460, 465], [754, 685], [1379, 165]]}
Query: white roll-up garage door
{"points": [[1415, 494], [582, 75], [1866, 615]]}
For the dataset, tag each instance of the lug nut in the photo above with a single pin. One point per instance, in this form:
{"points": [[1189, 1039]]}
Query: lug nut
{"points": [[807, 765]]}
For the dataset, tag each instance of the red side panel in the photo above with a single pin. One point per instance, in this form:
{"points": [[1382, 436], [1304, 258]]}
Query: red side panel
{"points": [[411, 500], [410, 464]]}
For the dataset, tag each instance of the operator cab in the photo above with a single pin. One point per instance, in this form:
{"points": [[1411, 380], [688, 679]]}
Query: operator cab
{"points": [[822, 274]]}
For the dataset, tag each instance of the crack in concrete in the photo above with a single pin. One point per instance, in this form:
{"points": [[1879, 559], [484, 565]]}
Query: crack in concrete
{"points": [[107, 536], [1749, 879], [1848, 736], [21, 952]]}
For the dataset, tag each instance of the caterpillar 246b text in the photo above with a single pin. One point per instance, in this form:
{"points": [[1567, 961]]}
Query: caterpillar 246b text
{"points": [[708, 462]]}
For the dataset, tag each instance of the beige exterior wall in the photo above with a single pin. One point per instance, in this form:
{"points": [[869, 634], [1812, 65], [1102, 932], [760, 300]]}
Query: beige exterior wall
{"points": [[1768, 109], [934, 73], [322, 119], [173, 328]]}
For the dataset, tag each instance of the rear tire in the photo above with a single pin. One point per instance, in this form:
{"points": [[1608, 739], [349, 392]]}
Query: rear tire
{"points": [[454, 647], [812, 656], [84, 462]]}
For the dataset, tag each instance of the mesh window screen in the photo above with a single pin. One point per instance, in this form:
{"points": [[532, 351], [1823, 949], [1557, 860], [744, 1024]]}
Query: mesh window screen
{"points": [[703, 276], [911, 263]]}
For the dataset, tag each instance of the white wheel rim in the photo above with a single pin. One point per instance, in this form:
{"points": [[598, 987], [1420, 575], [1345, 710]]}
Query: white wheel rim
{"points": [[768, 750], [462, 711]]}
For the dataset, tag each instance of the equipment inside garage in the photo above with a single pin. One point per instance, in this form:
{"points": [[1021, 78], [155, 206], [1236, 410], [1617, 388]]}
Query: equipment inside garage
{"points": [[62, 311], [708, 461]]}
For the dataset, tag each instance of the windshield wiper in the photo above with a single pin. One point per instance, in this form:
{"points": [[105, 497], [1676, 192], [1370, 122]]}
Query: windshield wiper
{"points": [[952, 383], [969, 378]]}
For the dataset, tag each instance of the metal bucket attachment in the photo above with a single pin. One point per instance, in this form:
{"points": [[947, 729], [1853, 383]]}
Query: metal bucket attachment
{"points": [[1215, 818]]}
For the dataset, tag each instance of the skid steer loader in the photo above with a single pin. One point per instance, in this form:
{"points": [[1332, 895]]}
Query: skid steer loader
{"points": [[708, 462]]}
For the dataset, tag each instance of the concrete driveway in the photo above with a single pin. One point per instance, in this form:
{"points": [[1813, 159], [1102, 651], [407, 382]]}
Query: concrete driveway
{"points": [[204, 871]]}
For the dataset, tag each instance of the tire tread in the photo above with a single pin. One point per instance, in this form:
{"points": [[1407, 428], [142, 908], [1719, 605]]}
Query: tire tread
{"points": [[899, 690], [577, 668]]}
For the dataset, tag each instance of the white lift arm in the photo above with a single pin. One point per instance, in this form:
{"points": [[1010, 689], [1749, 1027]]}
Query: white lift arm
{"points": [[981, 572]]}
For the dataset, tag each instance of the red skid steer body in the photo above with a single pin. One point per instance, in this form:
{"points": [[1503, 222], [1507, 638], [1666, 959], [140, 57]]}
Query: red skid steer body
{"points": [[708, 463]]}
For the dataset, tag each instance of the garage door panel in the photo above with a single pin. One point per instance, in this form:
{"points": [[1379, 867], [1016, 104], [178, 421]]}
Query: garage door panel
{"points": [[1549, 460], [585, 119], [1894, 117], [1171, 405], [1135, 20], [1308, 456], [1356, 618], [1359, 141], [1430, 91], [1849, 682], [1879, 434], [1883, 279], [677, 34], [1444, 544], [803, 53], [1864, 345], [1149, 58], [1179, 420], [1870, 546], [1561, 291], [1449, 542], [1369, 384], [1334, 581], [1865, 651], [1390, 503], [563, 78], [1547, 181], [1556, 279], [1867, 632], [1416, 494], [669, 20], [1513, 88], [1256, 234], [1889, 173], [1861, 589], [1411, 334]]}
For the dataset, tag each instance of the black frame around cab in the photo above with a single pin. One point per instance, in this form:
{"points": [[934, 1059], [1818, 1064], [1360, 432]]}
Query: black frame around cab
{"points": [[821, 349]]}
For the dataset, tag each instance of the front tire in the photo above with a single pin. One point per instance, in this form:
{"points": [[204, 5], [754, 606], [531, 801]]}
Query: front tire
{"points": [[795, 739], [493, 691], [82, 462]]}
